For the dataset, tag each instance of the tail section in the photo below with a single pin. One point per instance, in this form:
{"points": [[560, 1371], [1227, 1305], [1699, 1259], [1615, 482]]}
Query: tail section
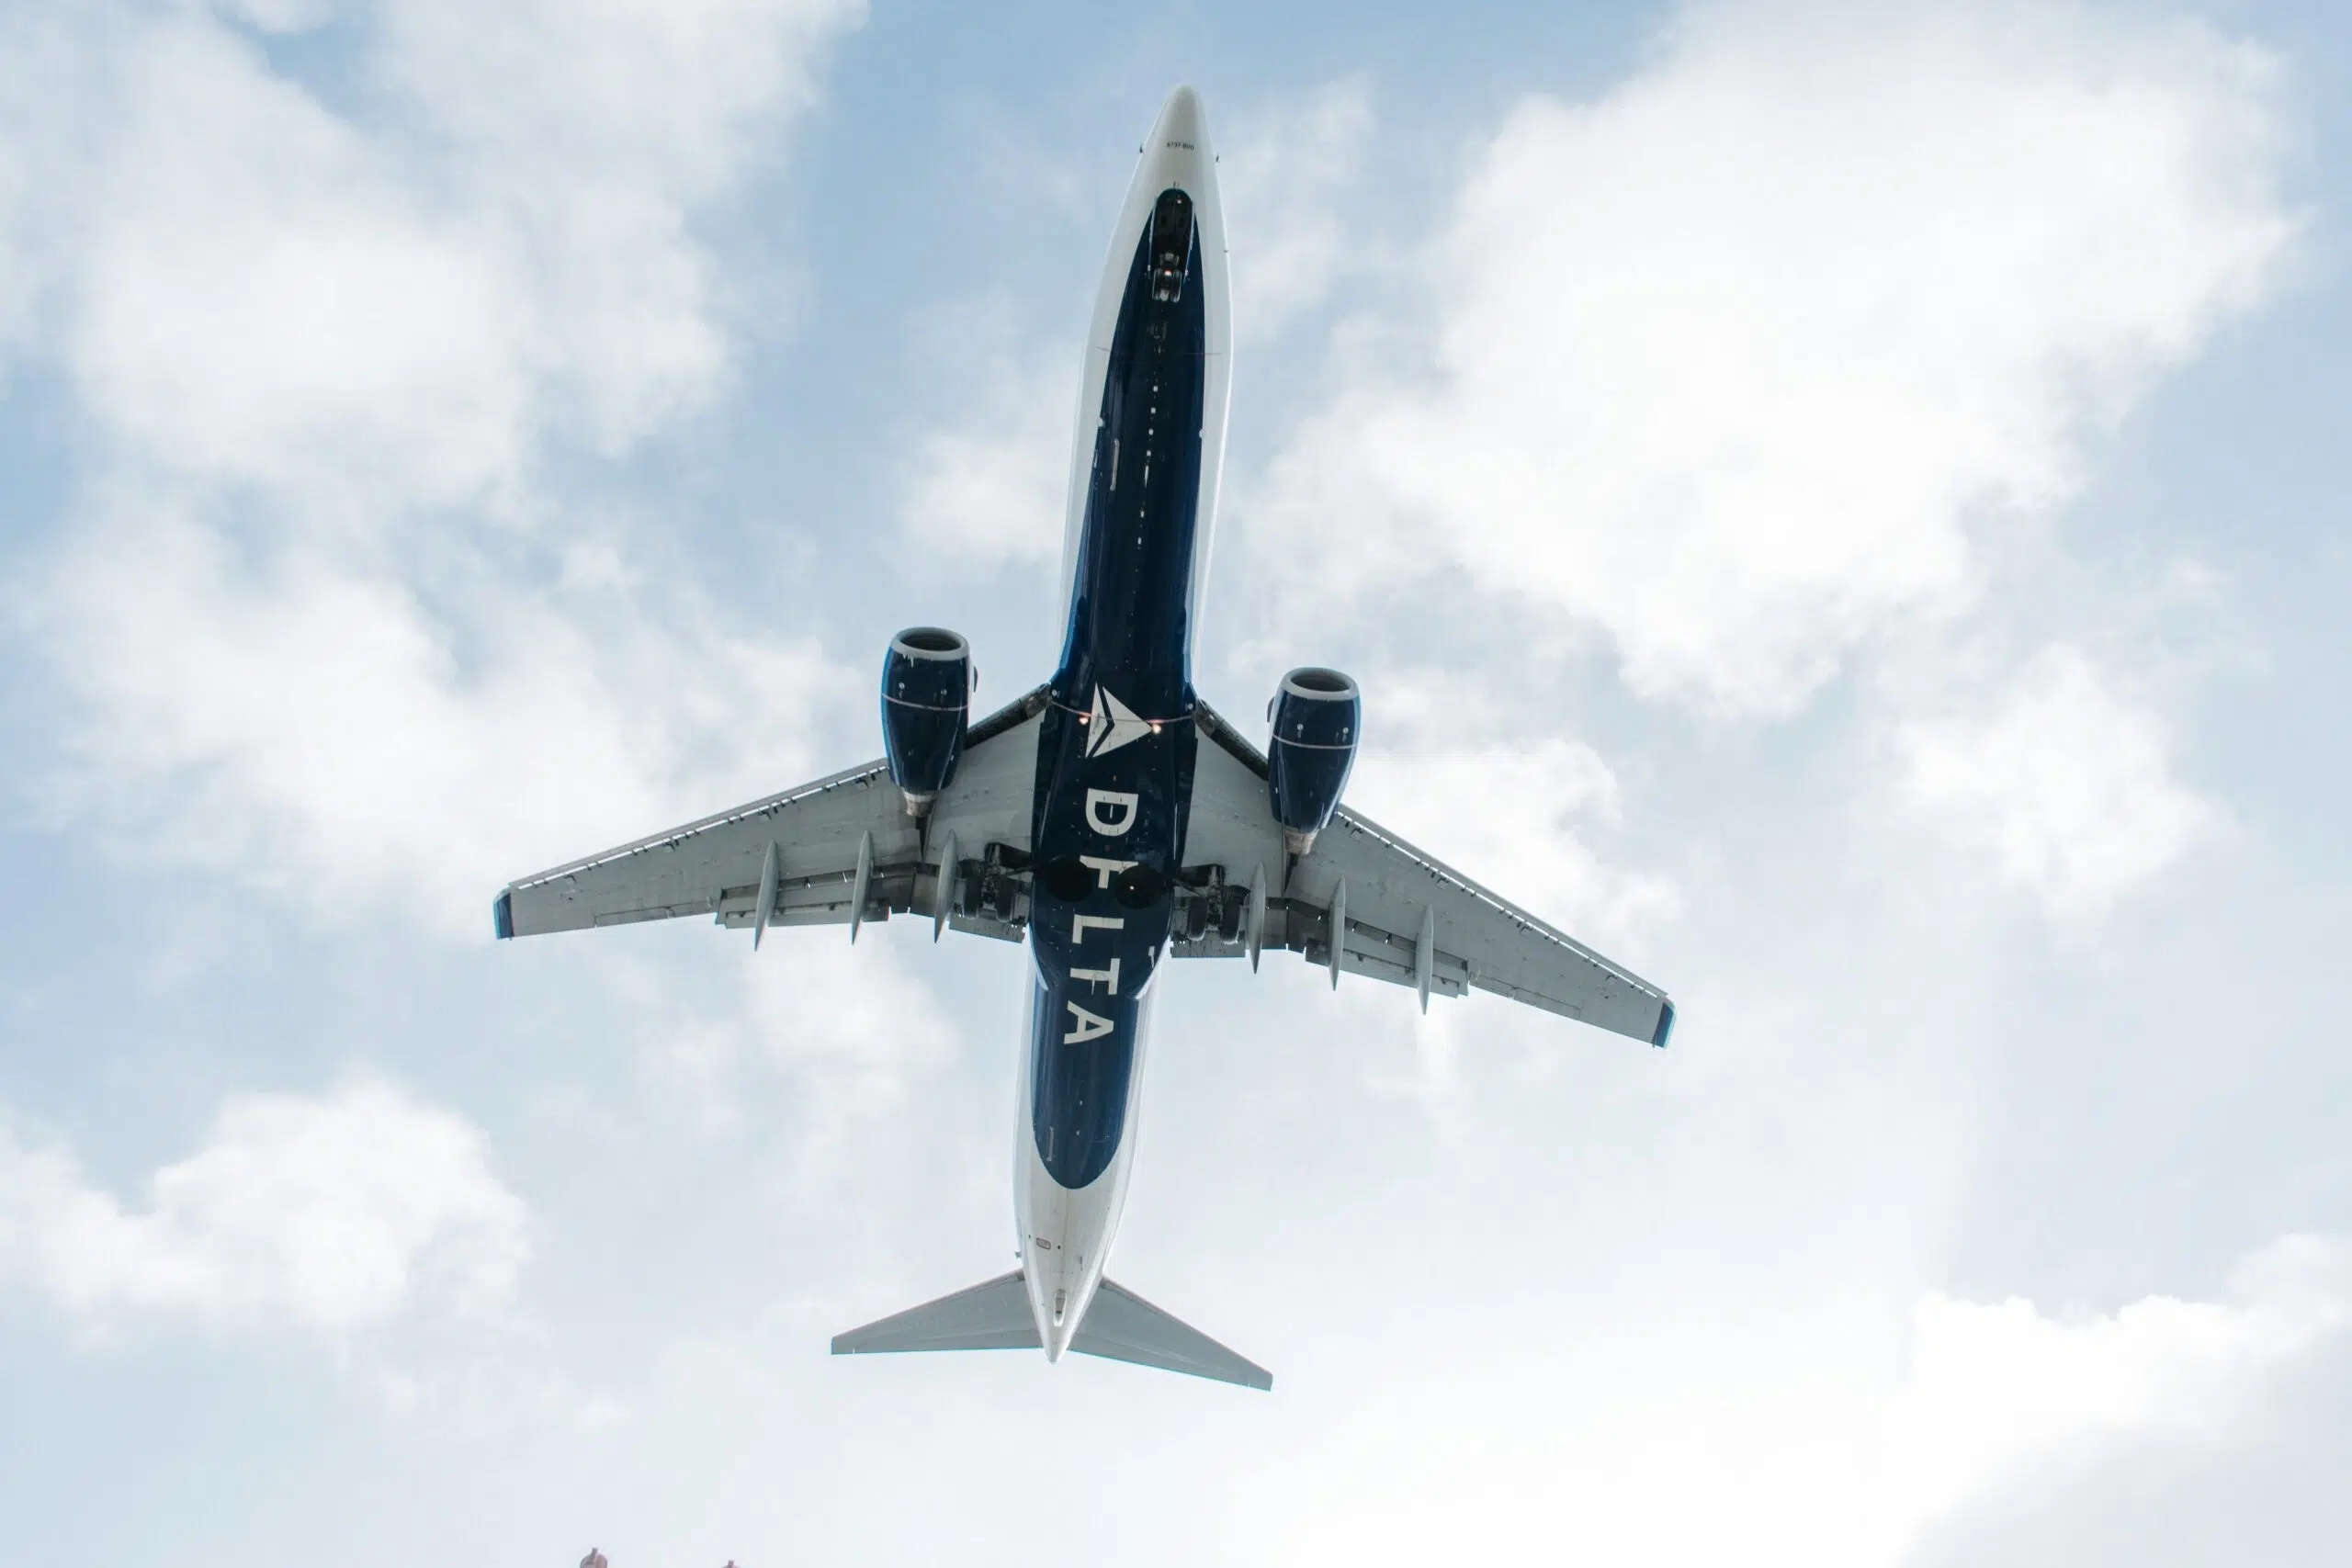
{"points": [[994, 1315], [1123, 1327]]}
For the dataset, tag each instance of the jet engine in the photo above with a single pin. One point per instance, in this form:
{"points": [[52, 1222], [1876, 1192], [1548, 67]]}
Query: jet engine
{"points": [[1316, 716], [927, 682]]}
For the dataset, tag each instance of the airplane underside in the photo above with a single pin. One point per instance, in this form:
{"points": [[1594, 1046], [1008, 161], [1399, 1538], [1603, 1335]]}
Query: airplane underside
{"points": [[1109, 821]]}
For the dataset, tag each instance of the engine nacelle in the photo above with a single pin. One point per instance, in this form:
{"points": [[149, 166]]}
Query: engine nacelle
{"points": [[926, 698], [1315, 715]]}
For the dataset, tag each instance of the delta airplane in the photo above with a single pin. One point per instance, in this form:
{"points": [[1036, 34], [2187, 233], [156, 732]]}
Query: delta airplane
{"points": [[1110, 817]]}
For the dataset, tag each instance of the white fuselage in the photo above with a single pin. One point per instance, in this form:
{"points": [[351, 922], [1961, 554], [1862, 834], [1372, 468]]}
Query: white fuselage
{"points": [[1065, 1232]]}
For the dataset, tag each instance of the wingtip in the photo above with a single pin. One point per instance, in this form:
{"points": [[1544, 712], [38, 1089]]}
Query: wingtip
{"points": [[1665, 1025], [501, 914]]}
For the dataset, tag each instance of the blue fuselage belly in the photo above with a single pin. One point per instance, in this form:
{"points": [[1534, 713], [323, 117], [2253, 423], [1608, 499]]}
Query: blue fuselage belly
{"points": [[1115, 765]]}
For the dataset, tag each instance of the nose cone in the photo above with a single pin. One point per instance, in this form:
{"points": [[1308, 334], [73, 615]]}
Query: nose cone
{"points": [[1182, 126]]}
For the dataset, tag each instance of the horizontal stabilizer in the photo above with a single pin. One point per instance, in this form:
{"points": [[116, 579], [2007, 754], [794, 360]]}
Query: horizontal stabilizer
{"points": [[1124, 1326], [1119, 1326], [989, 1316]]}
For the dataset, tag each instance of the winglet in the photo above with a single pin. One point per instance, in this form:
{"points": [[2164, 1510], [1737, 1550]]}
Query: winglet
{"points": [[501, 914], [1664, 1024]]}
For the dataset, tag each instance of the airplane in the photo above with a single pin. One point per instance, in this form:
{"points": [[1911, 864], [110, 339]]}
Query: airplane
{"points": [[1109, 818]]}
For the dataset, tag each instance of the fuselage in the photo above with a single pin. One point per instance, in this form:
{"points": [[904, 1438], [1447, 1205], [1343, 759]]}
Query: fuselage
{"points": [[1115, 751]]}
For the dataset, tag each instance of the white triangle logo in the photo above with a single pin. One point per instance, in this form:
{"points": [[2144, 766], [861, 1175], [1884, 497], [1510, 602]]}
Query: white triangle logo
{"points": [[1112, 725]]}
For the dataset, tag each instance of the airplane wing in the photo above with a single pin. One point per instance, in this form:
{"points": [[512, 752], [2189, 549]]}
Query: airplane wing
{"points": [[837, 852], [1404, 916]]}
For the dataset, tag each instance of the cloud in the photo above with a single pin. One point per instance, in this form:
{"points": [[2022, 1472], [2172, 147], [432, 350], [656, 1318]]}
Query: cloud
{"points": [[358, 742], [1803, 1432], [259, 295], [1733, 362], [1517, 816], [1283, 175], [266, 286], [1517, 809], [278, 15], [1996, 1389], [992, 484], [852, 1027], [335, 1215], [2064, 776], [325, 610], [594, 136]]}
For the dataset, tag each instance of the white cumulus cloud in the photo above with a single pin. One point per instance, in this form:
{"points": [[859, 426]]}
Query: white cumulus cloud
{"points": [[853, 1028], [1996, 1386], [2064, 777], [1729, 362], [260, 295], [1284, 175], [1791, 1437], [1515, 813], [325, 735], [333, 1214], [991, 484], [324, 611]]}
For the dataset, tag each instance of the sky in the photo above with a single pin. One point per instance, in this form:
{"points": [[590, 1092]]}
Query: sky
{"points": [[1838, 505]]}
